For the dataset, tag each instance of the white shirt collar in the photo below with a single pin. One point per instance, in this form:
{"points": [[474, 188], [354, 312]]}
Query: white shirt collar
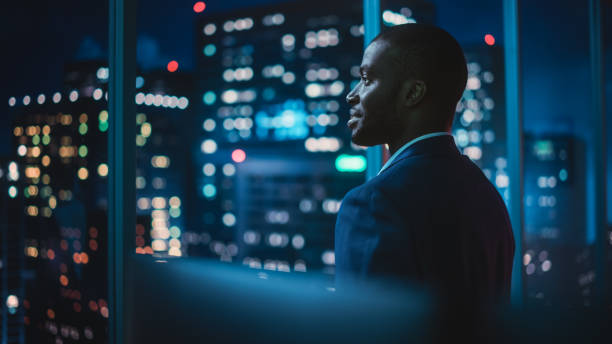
{"points": [[404, 147]]}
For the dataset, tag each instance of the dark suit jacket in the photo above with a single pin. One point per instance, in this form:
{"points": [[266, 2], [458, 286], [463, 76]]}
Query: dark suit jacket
{"points": [[431, 217]]}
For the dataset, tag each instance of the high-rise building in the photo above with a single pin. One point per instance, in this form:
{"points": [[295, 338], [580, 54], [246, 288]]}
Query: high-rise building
{"points": [[558, 258], [57, 189], [12, 266]]}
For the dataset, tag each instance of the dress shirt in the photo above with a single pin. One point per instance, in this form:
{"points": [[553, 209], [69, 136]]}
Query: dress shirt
{"points": [[404, 147]]}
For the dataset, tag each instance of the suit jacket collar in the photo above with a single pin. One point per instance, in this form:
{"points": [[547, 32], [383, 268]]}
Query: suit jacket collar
{"points": [[438, 145]]}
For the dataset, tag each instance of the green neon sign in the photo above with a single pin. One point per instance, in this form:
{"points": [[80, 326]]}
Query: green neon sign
{"points": [[350, 163]]}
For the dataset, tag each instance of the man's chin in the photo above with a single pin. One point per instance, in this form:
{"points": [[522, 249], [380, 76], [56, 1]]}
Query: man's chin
{"points": [[360, 140]]}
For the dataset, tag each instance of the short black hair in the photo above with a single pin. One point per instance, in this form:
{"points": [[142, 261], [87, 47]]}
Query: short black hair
{"points": [[430, 54]]}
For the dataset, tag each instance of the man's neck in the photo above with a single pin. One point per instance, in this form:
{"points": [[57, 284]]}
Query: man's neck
{"points": [[394, 145]]}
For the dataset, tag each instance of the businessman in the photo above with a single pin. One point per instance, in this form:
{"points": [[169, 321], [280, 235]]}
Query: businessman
{"points": [[430, 216]]}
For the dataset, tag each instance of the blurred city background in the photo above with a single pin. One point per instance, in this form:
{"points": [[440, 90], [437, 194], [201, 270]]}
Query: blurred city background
{"points": [[243, 154]]}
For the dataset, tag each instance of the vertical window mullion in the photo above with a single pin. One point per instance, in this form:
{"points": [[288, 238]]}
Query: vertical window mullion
{"points": [[514, 131], [121, 159]]}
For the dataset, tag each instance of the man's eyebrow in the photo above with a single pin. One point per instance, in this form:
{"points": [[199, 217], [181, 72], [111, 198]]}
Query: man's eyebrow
{"points": [[363, 69]]}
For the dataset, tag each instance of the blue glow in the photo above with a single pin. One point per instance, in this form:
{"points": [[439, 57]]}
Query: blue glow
{"points": [[286, 121], [209, 190], [247, 49], [268, 93], [210, 50], [209, 98], [139, 81]]}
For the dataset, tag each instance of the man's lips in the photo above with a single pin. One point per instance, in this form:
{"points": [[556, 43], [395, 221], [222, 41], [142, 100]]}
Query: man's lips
{"points": [[352, 121]]}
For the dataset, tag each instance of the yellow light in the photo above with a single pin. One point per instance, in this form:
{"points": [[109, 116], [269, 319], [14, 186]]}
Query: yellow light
{"points": [[31, 130], [160, 233], [32, 251], [46, 212], [32, 190], [83, 173], [145, 129], [158, 202], [34, 152], [66, 119], [140, 140], [46, 130], [52, 202], [46, 160], [103, 170], [83, 118], [159, 214], [67, 151], [160, 161], [141, 118], [158, 245], [32, 210], [84, 258], [18, 131], [174, 251], [32, 172], [103, 116]]}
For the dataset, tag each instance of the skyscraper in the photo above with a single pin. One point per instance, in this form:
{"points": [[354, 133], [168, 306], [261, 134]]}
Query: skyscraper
{"points": [[56, 185]]}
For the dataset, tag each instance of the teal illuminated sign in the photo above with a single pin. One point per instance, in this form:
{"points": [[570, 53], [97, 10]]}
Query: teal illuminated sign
{"points": [[351, 163]]}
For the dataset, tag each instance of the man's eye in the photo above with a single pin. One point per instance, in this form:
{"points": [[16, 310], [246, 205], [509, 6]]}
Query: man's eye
{"points": [[365, 80]]}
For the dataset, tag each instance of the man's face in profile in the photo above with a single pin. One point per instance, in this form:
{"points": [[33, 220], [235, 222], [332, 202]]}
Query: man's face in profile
{"points": [[374, 100]]}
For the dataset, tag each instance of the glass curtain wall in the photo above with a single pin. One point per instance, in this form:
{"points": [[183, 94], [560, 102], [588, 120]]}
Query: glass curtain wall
{"points": [[560, 159], [243, 155]]}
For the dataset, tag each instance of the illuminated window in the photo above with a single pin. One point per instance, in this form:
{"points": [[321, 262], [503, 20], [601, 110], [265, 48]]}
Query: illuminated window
{"points": [[83, 173], [209, 146], [103, 170]]}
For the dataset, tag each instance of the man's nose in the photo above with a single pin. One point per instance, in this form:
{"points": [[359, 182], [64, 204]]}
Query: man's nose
{"points": [[352, 98]]}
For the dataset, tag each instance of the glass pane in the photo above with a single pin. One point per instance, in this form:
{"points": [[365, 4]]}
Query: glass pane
{"points": [[53, 173], [243, 151], [480, 121], [559, 160]]}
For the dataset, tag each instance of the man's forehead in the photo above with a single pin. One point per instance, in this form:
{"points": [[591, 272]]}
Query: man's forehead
{"points": [[378, 53]]}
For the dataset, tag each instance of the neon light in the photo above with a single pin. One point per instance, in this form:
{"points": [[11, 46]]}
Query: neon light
{"points": [[350, 163]]}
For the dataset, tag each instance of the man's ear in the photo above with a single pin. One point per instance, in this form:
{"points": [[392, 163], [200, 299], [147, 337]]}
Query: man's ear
{"points": [[413, 91]]}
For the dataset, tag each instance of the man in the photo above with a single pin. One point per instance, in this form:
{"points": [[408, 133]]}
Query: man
{"points": [[430, 215]]}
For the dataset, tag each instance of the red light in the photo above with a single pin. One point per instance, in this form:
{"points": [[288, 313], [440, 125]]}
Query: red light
{"points": [[172, 66], [199, 6], [489, 39], [238, 155]]}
